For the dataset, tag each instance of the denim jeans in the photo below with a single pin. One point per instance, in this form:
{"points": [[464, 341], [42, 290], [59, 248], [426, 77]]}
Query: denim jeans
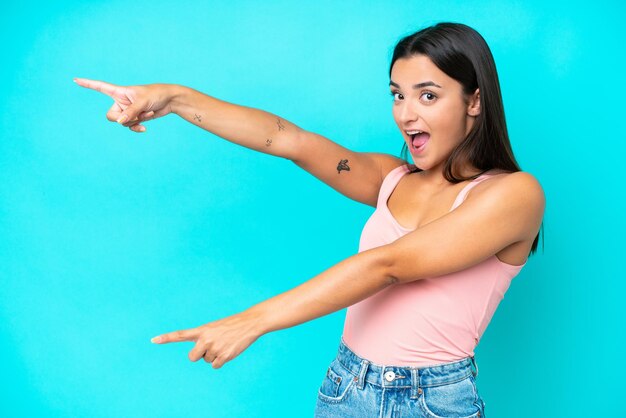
{"points": [[356, 387]]}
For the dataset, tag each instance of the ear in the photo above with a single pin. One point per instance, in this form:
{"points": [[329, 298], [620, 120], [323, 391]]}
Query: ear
{"points": [[473, 107]]}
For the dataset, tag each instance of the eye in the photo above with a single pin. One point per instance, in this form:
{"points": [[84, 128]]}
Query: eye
{"points": [[393, 94], [431, 96]]}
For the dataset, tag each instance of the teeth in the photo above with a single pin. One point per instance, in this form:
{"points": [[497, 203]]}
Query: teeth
{"points": [[413, 132]]}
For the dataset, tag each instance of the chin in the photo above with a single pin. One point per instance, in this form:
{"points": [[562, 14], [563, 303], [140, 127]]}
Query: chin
{"points": [[423, 163], [418, 159]]}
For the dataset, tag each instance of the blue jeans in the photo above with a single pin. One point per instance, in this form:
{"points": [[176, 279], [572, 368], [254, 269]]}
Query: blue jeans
{"points": [[356, 387]]}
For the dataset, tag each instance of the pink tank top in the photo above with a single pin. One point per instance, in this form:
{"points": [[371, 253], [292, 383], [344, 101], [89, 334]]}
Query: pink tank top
{"points": [[430, 321]]}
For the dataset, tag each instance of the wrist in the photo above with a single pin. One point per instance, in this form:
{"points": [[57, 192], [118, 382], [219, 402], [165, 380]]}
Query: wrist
{"points": [[178, 96], [257, 319]]}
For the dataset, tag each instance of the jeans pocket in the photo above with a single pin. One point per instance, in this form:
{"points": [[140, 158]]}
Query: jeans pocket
{"points": [[449, 400], [336, 384]]}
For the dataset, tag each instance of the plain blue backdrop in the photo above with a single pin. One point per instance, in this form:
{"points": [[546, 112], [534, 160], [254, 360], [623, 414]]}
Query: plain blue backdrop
{"points": [[110, 237]]}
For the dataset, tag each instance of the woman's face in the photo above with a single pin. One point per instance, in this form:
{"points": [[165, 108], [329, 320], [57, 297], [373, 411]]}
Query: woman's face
{"points": [[435, 106]]}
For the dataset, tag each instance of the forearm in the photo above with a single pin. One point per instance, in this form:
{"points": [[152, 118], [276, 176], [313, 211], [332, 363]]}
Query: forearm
{"points": [[342, 285], [249, 127]]}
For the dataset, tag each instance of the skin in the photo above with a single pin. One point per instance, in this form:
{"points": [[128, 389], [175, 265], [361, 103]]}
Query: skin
{"points": [[500, 213], [444, 112]]}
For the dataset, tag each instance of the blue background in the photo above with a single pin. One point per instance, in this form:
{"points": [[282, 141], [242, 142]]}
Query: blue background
{"points": [[109, 237]]}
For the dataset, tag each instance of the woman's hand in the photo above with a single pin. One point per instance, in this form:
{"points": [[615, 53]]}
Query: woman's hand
{"points": [[134, 104], [219, 341]]}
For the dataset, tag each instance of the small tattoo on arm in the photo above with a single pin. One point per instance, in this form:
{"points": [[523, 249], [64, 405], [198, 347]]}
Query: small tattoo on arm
{"points": [[268, 142], [343, 165], [198, 118], [280, 125]]}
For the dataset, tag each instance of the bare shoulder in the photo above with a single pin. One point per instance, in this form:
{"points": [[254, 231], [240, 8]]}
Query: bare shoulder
{"points": [[519, 185], [516, 183], [519, 192]]}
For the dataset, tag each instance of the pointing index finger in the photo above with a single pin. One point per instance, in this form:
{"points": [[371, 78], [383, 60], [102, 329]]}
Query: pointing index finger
{"points": [[175, 337], [101, 86]]}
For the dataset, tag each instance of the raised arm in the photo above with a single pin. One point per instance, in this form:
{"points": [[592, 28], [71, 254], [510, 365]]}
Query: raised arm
{"points": [[357, 175]]}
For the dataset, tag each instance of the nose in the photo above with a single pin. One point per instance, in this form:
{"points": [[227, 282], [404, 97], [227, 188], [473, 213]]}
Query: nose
{"points": [[407, 113]]}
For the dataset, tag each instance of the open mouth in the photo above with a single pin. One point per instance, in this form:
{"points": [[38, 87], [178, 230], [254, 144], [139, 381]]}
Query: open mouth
{"points": [[419, 139]]}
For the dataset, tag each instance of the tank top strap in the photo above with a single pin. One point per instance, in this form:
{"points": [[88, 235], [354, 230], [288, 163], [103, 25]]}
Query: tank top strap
{"points": [[390, 182], [463, 193]]}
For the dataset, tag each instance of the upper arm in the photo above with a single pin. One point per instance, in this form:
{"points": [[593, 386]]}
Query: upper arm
{"points": [[357, 175], [507, 212]]}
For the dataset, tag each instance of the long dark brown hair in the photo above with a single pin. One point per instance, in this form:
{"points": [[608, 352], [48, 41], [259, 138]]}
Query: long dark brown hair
{"points": [[462, 53]]}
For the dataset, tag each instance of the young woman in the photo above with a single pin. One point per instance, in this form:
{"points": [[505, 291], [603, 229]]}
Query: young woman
{"points": [[449, 232]]}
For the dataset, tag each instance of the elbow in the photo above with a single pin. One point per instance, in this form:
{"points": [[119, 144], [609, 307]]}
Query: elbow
{"points": [[395, 267], [296, 151], [388, 266], [393, 276], [391, 280]]}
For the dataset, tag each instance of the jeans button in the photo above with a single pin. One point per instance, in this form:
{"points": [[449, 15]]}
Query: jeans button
{"points": [[389, 376]]}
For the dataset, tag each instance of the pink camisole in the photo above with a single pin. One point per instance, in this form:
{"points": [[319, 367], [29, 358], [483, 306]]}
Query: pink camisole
{"points": [[430, 321]]}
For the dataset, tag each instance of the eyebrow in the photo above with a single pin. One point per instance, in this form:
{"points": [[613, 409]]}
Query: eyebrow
{"points": [[418, 85]]}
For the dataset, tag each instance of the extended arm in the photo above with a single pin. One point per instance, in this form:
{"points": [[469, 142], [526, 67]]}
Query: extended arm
{"points": [[508, 212], [357, 175]]}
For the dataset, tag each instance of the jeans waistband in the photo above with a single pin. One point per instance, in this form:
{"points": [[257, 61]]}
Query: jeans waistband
{"points": [[389, 376]]}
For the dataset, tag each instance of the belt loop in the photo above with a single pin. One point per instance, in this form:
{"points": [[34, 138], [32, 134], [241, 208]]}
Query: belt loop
{"points": [[475, 365], [414, 383], [361, 383]]}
